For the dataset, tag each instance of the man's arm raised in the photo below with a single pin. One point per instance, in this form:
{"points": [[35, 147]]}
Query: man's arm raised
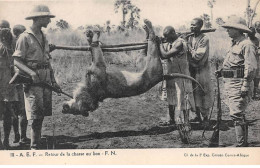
{"points": [[173, 51]]}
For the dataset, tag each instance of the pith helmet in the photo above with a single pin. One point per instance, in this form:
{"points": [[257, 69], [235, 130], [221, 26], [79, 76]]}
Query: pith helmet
{"points": [[40, 11], [237, 23]]}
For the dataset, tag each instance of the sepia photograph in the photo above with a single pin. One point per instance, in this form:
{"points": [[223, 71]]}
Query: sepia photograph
{"points": [[101, 78]]}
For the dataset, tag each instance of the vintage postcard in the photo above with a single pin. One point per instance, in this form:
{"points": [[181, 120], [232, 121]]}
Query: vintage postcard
{"points": [[129, 82]]}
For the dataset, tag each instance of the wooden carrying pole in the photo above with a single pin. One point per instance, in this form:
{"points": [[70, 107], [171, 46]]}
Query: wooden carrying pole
{"points": [[122, 47], [188, 33], [87, 48], [77, 48]]}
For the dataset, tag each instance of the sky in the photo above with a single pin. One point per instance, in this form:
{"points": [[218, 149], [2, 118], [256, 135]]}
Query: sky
{"points": [[160, 12]]}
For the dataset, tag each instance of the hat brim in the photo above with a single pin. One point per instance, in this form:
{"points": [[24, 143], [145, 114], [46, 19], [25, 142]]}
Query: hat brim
{"points": [[40, 15], [237, 26]]}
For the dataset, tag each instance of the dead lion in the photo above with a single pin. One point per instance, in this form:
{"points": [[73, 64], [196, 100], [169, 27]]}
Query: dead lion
{"points": [[100, 83]]}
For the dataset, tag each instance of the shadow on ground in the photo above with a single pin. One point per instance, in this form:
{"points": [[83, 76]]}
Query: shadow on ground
{"points": [[69, 142]]}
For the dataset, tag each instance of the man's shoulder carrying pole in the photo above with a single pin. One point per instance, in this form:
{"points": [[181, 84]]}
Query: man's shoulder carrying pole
{"points": [[189, 33]]}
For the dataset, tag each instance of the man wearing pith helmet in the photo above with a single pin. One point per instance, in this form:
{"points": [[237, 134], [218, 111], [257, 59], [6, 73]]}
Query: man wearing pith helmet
{"points": [[238, 71], [32, 57]]}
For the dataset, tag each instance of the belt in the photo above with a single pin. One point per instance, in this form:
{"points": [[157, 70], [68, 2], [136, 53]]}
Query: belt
{"points": [[236, 73], [36, 66], [43, 66]]}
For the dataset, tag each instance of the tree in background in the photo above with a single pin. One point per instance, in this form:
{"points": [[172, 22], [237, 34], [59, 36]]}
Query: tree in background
{"points": [[211, 4], [250, 13], [80, 28], [206, 20], [220, 21], [123, 4], [134, 16], [90, 27], [183, 28], [62, 24], [102, 29], [127, 6], [52, 30]]}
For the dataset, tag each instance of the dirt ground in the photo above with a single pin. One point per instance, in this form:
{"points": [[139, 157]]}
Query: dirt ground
{"points": [[131, 123]]}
